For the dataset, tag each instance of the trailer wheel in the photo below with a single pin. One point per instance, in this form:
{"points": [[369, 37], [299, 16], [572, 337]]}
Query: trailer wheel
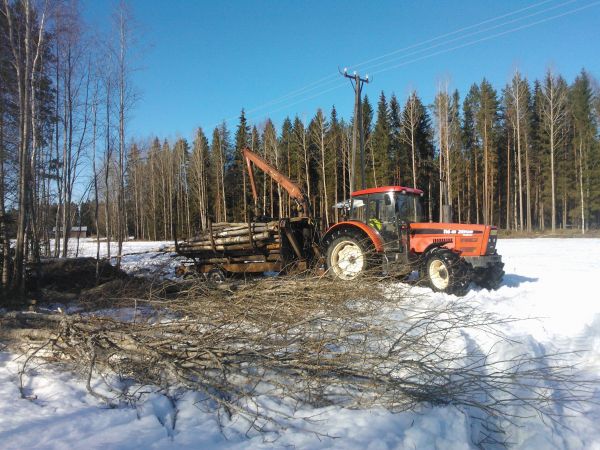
{"points": [[215, 276], [491, 277], [347, 255], [446, 272]]}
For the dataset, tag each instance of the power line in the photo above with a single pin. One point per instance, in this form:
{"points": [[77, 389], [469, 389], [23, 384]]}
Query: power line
{"points": [[493, 19], [487, 38], [459, 38], [329, 79], [440, 52]]}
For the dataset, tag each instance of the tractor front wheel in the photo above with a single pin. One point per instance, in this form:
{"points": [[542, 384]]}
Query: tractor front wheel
{"points": [[446, 272], [491, 277], [347, 256]]}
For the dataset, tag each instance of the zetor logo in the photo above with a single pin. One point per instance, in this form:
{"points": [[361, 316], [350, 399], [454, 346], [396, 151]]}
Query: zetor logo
{"points": [[458, 231]]}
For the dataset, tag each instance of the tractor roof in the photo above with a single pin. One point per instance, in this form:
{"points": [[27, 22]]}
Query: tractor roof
{"points": [[378, 190]]}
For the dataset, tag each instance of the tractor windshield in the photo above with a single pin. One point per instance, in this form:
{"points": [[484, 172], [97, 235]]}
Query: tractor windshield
{"points": [[408, 208]]}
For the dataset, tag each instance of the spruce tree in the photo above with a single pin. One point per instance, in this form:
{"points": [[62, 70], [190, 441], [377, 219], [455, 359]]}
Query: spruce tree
{"points": [[399, 158], [236, 173], [367, 124], [584, 133], [286, 152], [381, 146]]}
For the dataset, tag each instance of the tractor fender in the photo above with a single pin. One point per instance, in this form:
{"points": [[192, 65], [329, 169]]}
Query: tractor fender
{"points": [[434, 246], [363, 228]]}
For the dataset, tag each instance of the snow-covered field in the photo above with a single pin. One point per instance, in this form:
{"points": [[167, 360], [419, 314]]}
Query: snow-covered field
{"points": [[554, 280]]}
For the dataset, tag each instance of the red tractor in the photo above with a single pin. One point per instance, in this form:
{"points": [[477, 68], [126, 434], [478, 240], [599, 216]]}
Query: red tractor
{"points": [[385, 229]]}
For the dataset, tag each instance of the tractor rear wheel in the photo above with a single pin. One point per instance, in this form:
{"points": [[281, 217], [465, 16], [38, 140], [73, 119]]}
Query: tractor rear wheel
{"points": [[347, 255], [446, 272]]}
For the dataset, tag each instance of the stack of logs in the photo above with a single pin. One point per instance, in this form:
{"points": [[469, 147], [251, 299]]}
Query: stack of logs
{"points": [[226, 236]]}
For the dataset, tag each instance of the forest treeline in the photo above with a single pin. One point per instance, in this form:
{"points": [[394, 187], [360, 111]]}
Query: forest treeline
{"points": [[523, 156], [526, 157]]}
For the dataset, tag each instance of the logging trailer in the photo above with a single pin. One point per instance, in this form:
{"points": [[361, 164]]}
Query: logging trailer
{"points": [[382, 232]]}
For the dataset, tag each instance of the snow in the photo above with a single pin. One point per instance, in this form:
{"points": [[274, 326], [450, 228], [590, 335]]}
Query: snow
{"points": [[140, 258], [551, 281]]}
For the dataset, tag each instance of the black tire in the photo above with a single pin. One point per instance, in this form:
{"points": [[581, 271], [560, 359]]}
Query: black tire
{"points": [[446, 272], [348, 255], [215, 276], [491, 277]]}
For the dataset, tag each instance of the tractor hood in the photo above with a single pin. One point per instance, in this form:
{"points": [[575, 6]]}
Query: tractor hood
{"points": [[467, 239]]}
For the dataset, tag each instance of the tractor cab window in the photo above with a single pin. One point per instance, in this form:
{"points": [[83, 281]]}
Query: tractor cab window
{"points": [[374, 209], [408, 208], [358, 209]]}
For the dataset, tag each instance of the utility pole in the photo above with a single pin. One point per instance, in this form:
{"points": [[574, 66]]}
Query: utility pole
{"points": [[357, 132]]}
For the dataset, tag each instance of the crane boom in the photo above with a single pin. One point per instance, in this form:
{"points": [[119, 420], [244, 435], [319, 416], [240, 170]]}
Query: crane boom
{"points": [[291, 188]]}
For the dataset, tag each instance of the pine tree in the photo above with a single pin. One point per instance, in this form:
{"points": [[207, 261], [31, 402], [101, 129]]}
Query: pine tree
{"points": [[457, 161], [517, 110], [471, 150]]}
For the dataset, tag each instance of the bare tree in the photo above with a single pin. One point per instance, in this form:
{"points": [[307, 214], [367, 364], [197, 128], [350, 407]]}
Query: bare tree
{"points": [[124, 30], [199, 176], [319, 132], [412, 115], [554, 114], [442, 115], [26, 49]]}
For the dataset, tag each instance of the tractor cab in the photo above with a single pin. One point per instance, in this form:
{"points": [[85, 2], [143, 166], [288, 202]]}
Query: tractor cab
{"points": [[389, 210]]}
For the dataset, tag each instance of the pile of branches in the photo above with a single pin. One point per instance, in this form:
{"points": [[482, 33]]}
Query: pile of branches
{"points": [[315, 342], [224, 236]]}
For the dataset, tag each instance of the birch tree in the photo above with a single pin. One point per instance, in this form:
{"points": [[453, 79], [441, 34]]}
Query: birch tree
{"points": [[411, 117], [554, 115], [199, 167], [25, 44]]}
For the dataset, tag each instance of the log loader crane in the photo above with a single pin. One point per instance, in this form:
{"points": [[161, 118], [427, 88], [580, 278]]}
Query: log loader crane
{"points": [[384, 231]]}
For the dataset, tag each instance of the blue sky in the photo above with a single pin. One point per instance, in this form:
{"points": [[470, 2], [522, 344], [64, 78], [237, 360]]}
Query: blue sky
{"points": [[201, 62]]}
